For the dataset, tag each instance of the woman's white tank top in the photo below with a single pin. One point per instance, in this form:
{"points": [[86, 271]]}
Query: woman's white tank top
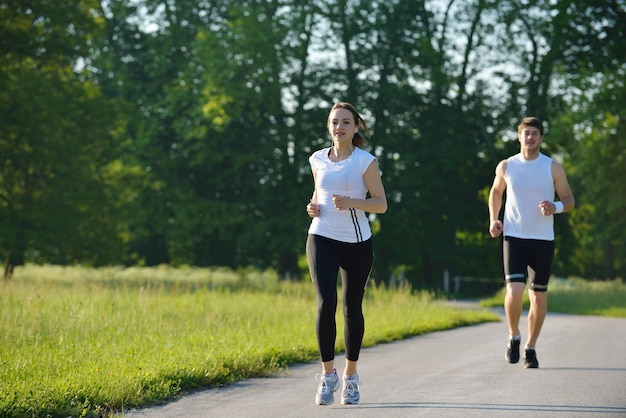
{"points": [[341, 178]]}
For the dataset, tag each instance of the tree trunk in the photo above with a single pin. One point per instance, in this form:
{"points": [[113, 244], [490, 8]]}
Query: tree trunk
{"points": [[609, 262]]}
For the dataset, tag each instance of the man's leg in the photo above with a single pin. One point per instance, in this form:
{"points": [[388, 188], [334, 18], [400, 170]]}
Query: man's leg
{"points": [[515, 270], [542, 253], [513, 306], [540, 265], [513, 309], [536, 315]]}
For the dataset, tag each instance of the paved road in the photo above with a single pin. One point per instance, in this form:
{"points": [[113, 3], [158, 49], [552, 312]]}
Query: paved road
{"points": [[456, 373]]}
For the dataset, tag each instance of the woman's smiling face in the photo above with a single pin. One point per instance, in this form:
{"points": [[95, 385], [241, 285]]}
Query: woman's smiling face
{"points": [[341, 125]]}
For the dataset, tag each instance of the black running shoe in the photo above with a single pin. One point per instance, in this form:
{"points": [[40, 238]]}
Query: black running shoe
{"points": [[512, 350], [530, 359]]}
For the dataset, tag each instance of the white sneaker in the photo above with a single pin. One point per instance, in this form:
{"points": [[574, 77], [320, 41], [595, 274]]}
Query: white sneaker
{"points": [[329, 383], [350, 392]]}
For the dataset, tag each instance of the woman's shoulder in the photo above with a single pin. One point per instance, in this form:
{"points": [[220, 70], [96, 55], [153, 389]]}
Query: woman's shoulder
{"points": [[363, 154], [319, 154]]}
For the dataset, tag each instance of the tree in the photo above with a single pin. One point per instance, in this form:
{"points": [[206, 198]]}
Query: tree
{"points": [[201, 117], [598, 162], [56, 139]]}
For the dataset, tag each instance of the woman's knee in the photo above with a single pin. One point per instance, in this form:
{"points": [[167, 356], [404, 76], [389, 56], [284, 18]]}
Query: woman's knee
{"points": [[353, 311], [327, 307]]}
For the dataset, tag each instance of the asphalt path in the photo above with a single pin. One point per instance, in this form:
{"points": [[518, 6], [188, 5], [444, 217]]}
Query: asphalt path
{"points": [[455, 373]]}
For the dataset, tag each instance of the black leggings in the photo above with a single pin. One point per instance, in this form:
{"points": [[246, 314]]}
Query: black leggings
{"points": [[326, 258]]}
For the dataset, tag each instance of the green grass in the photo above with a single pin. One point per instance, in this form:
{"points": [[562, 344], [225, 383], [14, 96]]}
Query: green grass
{"points": [[577, 296], [91, 342]]}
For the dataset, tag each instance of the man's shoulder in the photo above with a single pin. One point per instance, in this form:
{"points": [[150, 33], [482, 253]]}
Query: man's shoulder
{"points": [[545, 157], [503, 164], [514, 157]]}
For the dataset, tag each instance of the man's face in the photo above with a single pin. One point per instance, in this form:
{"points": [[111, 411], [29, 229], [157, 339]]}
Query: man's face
{"points": [[530, 138]]}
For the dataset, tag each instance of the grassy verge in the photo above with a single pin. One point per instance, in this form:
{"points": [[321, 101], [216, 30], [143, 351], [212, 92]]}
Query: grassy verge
{"points": [[576, 296], [89, 342]]}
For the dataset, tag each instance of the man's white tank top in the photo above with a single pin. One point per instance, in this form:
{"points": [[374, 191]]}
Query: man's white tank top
{"points": [[341, 178], [528, 183]]}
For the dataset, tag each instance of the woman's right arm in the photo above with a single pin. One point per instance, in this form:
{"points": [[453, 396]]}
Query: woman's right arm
{"points": [[313, 208]]}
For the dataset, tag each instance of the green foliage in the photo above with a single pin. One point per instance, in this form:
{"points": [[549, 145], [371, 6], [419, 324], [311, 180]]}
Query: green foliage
{"points": [[86, 342], [602, 155], [147, 133], [58, 134]]}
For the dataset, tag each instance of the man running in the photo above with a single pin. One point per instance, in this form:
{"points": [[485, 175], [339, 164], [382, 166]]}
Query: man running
{"points": [[532, 179]]}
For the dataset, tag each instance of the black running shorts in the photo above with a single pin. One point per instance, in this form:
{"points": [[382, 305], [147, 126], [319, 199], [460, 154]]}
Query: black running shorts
{"points": [[528, 258]]}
